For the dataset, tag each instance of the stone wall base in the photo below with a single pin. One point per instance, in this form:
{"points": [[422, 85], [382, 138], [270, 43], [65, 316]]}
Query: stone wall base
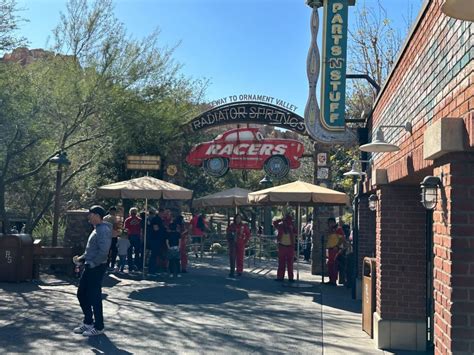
{"points": [[401, 335]]}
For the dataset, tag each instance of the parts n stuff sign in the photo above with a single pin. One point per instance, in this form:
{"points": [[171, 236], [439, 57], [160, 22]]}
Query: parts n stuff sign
{"points": [[333, 87]]}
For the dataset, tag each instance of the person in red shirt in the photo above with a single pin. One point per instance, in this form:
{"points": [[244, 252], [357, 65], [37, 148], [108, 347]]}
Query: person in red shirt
{"points": [[286, 246], [198, 230], [182, 228], [133, 226], [238, 235], [333, 246]]}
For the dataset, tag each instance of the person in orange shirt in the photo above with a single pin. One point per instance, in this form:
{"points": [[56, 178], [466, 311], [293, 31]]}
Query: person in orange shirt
{"points": [[238, 235], [286, 246], [333, 244]]}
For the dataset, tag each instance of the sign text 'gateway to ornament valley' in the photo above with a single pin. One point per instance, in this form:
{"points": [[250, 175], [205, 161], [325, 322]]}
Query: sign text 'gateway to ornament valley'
{"points": [[249, 112], [333, 88]]}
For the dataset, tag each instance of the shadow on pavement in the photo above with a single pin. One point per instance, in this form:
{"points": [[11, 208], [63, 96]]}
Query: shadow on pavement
{"points": [[339, 297], [19, 288], [103, 345]]}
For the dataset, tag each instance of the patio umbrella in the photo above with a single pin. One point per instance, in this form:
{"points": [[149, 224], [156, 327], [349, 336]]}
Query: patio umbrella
{"points": [[301, 194], [145, 187], [233, 197]]}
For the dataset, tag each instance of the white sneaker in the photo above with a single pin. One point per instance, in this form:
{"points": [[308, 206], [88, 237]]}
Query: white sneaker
{"points": [[179, 275], [171, 276], [92, 332], [82, 328]]}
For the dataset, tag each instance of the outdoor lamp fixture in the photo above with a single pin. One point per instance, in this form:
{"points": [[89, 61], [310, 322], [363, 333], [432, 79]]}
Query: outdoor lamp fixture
{"points": [[429, 191], [459, 9], [60, 160], [315, 3], [379, 145], [266, 181], [356, 169], [373, 202]]}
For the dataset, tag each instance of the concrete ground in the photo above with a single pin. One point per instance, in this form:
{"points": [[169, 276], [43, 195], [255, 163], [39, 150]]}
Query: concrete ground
{"points": [[201, 312]]}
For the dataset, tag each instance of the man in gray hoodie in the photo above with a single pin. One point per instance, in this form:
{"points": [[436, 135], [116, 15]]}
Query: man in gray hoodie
{"points": [[94, 259]]}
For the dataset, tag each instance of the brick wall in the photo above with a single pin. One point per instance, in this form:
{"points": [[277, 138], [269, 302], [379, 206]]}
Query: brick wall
{"points": [[401, 254], [366, 231], [77, 230], [454, 257], [434, 78]]}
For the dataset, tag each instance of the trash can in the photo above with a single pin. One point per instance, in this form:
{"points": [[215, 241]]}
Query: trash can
{"points": [[16, 257], [368, 294]]}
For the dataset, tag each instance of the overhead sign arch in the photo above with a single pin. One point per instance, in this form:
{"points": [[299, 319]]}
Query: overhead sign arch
{"points": [[248, 112]]}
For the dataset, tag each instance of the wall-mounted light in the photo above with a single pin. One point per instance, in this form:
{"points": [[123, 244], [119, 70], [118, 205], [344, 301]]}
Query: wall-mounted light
{"points": [[356, 169], [379, 145], [373, 202], [429, 191], [459, 9]]}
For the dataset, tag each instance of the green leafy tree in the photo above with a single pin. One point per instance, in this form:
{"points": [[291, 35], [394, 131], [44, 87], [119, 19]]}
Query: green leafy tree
{"points": [[82, 101], [9, 24]]}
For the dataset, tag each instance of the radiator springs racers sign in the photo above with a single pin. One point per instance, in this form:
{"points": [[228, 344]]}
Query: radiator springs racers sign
{"points": [[246, 148]]}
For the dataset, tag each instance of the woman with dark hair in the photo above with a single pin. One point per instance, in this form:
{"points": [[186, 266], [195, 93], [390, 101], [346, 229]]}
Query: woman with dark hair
{"points": [[286, 246], [238, 235]]}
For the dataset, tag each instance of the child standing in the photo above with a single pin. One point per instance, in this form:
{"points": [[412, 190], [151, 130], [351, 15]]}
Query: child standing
{"points": [[172, 242], [123, 244]]}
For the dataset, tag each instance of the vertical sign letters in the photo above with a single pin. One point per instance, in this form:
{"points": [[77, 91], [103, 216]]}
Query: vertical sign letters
{"points": [[333, 87]]}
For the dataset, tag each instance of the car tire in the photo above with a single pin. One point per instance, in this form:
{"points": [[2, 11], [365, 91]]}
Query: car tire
{"points": [[216, 167], [277, 166]]}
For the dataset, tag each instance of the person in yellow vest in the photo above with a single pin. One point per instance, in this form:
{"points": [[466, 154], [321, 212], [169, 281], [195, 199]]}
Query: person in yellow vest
{"points": [[335, 242], [286, 246]]}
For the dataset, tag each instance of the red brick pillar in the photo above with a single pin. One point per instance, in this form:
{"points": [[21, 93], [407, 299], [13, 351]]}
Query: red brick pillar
{"points": [[366, 232], [454, 257], [399, 320]]}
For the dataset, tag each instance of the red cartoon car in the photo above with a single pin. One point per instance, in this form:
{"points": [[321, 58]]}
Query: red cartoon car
{"points": [[246, 148]]}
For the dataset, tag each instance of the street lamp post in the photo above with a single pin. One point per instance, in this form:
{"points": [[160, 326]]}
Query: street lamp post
{"points": [[266, 182], [60, 160]]}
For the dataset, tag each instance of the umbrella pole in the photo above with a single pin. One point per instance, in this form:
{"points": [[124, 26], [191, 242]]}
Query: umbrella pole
{"points": [[298, 245], [144, 237]]}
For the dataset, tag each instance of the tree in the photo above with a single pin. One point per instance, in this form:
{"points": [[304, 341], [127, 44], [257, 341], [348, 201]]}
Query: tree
{"points": [[373, 47], [78, 98], [9, 24]]}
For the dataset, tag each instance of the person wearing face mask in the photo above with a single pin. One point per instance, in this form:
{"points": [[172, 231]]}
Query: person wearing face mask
{"points": [[286, 235], [238, 235]]}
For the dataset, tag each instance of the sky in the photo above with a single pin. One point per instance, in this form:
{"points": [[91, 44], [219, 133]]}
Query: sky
{"points": [[240, 46]]}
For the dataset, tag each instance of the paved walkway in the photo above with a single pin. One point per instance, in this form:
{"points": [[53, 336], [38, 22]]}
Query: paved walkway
{"points": [[202, 312]]}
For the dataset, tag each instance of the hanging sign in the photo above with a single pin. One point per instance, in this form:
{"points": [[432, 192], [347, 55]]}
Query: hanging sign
{"points": [[247, 148], [333, 86], [143, 162], [246, 112]]}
